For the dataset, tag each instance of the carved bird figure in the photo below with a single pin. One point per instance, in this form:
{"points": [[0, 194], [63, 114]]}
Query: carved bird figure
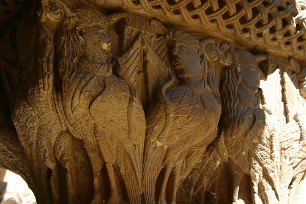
{"points": [[181, 125], [242, 118], [99, 107]]}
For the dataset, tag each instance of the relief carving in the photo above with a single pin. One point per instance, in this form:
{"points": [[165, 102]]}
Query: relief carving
{"points": [[171, 146], [103, 105]]}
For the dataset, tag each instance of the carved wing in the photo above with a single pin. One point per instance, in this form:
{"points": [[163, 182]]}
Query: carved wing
{"points": [[12, 154], [132, 65], [144, 66]]}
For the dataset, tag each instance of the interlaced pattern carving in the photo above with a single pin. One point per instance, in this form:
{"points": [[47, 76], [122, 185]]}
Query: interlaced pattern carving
{"points": [[268, 22]]}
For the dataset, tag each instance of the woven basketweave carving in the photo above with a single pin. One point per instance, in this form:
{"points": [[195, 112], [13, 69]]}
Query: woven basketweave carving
{"points": [[267, 22]]}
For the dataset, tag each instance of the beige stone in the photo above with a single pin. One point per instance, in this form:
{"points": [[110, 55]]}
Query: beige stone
{"points": [[169, 101]]}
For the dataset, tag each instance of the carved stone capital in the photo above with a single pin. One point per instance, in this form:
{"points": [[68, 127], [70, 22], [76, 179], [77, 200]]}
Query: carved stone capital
{"points": [[177, 101]]}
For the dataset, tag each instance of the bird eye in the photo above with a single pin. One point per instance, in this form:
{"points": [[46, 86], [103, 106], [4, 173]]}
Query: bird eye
{"points": [[106, 46], [80, 30]]}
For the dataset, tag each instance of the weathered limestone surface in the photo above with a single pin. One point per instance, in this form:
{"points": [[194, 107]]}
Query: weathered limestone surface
{"points": [[154, 101]]}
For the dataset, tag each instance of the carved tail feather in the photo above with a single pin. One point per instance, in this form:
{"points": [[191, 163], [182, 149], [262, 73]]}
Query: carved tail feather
{"points": [[72, 156], [129, 175], [158, 122], [133, 156], [216, 155], [153, 150]]}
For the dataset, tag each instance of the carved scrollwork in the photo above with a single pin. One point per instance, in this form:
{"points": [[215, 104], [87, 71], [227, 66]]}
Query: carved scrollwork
{"points": [[217, 50], [226, 57], [210, 49]]}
